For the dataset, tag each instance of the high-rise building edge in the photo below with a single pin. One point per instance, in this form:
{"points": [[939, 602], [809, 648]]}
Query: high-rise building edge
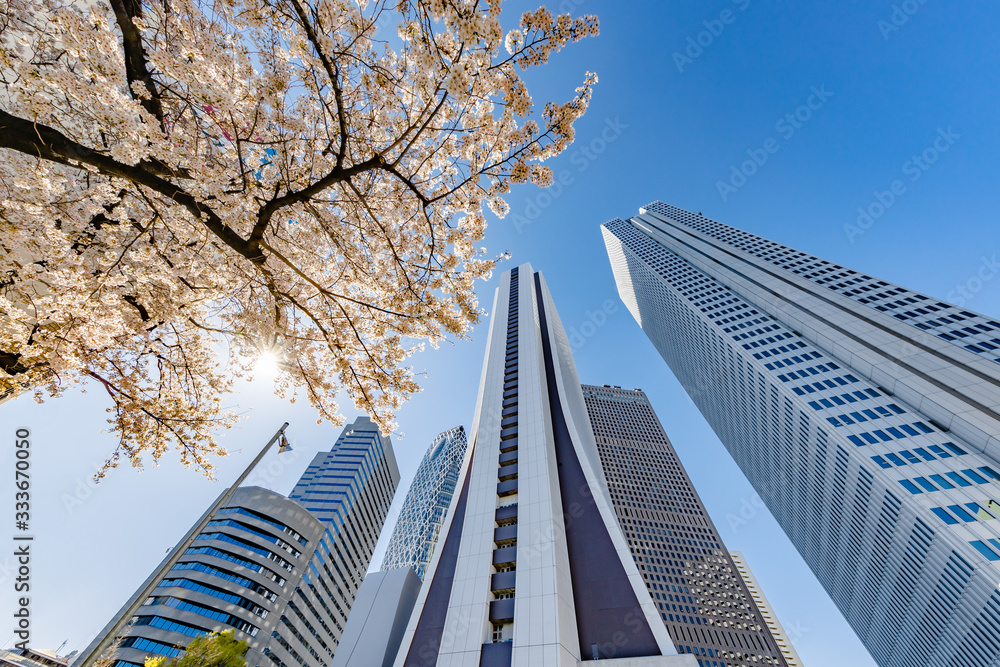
{"points": [[281, 574], [532, 567], [770, 618], [866, 415], [703, 601]]}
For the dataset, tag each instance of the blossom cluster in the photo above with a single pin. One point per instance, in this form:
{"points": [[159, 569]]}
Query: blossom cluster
{"points": [[205, 181]]}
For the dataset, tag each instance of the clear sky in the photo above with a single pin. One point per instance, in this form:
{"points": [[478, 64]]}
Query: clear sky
{"points": [[661, 126]]}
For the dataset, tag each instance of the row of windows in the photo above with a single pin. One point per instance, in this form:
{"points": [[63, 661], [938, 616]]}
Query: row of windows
{"points": [[265, 519], [228, 576], [854, 397], [223, 537], [865, 414], [942, 483], [894, 433], [214, 592], [977, 513], [172, 625], [912, 458], [150, 646]]}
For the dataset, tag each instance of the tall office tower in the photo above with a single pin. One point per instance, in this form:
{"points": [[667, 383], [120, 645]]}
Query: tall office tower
{"points": [[703, 601], [865, 415], [533, 569], [420, 518], [282, 574], [760, 600]]}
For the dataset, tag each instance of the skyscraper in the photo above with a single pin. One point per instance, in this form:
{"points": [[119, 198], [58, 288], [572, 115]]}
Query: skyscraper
{"points": [[704, 603], [770, 618], [419, 523], [865, 415], [533, 568], [282, 576]]}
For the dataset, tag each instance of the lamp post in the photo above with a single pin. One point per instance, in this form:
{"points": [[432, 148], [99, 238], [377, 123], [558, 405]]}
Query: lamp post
{"points": [[138, 600]]}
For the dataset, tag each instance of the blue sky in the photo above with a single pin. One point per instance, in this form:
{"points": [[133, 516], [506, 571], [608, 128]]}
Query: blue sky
{"points": [[881, 97]]}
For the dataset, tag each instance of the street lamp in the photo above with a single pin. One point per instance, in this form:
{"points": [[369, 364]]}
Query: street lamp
{"points": [[137, 601]]}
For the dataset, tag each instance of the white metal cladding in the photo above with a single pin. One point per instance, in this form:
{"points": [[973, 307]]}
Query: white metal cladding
{"points": [[835, 434], [544, 628]]}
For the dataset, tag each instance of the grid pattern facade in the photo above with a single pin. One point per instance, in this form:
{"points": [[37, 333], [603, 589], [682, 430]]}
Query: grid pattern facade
{"points": [[704, 603], [770, 618], [262, 567], [871, 441], [282, 574], [419, 524]]}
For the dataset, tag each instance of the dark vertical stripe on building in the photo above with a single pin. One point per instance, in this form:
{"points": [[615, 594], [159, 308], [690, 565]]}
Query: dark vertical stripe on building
{"points": [[607, 610], [426, 642]]}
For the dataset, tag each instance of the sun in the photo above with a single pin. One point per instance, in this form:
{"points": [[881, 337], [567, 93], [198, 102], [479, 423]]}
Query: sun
{"points": [[266, 364]]}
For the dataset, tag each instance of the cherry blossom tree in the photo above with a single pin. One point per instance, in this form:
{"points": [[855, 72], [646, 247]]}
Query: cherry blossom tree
{"points": [[186, 185]]}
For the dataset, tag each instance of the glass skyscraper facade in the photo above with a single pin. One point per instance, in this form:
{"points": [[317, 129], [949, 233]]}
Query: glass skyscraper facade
{"points": [[420, 518], [866, 415], [704, 603], [281, 574], [533, 568]]}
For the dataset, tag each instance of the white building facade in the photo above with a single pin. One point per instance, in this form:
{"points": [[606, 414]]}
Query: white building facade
{"points": [[866, 415], [532, 567]]}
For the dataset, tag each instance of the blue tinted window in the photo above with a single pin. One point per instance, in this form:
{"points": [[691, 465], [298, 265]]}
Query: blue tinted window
{"points": [[974, 476], [923, 427], [944, 516], [856, 440], [909, 429], [984, 550], [883, 435], [895, 432], [954, 448], [961, 481], [857, 415], [940, 452], [927, 456], [870, 414], [908, 455], [991, 472], [869, 437], [961, 513], [924, 483], [978, 511], [877, 459], [942, 482], [895, 408], [895, 459], [910, 486]]}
